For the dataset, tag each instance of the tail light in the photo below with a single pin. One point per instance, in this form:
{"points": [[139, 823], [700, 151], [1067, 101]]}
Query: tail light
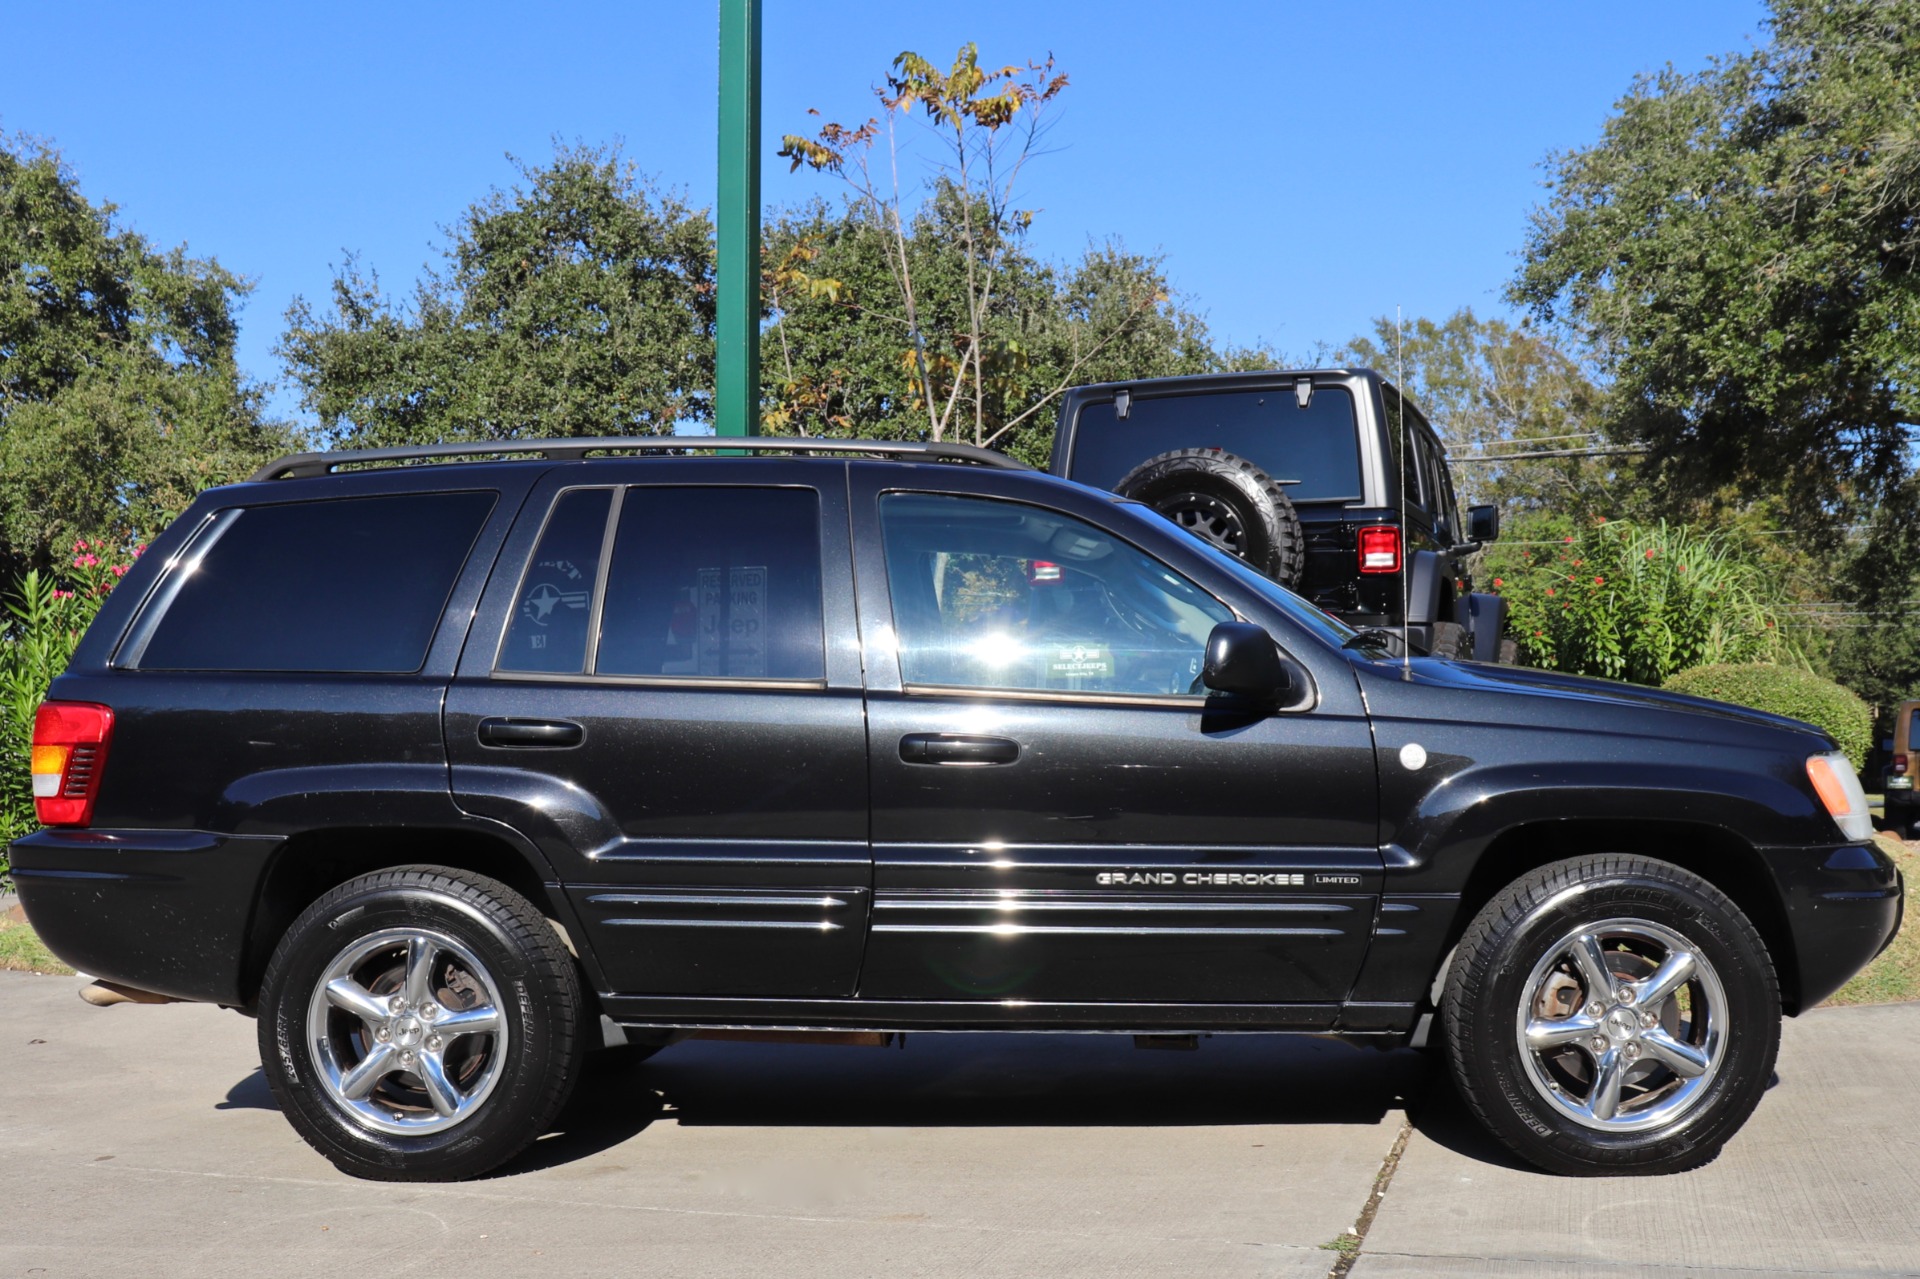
{"points": [[1380, 549], [69, 754], [1899, 765]]}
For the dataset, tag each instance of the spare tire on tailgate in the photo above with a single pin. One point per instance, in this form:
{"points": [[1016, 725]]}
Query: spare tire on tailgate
{"points": [[1224, 499]]}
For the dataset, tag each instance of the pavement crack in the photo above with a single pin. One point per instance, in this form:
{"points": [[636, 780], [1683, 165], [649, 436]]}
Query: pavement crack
{"points": [[1349, 1244]]}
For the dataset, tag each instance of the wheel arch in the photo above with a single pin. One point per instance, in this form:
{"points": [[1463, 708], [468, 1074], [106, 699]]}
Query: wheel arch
{"points": [[308, 864], [1714, 853]]}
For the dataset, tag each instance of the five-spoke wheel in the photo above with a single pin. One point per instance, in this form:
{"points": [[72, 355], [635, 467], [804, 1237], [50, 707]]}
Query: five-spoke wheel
{"points": [[420, 1023], [406, 1030], [1611, 1014]]}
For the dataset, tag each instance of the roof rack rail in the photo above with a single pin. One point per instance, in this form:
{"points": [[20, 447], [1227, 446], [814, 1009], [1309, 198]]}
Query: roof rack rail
{"points": [[305, 465]]}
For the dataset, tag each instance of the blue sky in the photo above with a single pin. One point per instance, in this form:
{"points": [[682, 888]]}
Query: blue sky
{"points": [[1301, 167]]}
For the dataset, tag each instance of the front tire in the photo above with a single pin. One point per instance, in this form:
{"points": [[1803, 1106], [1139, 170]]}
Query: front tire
{"points": [[420, 1024], [1612, 1014]]}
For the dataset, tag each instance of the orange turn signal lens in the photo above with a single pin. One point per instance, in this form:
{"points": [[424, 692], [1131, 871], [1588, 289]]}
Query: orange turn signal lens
{"points": [[1828, 786]]}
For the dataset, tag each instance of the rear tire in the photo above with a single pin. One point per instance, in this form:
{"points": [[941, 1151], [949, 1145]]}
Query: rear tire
{"points": [[420, 1024], [1611, 1015], [1224, 499], [1449, 640]]}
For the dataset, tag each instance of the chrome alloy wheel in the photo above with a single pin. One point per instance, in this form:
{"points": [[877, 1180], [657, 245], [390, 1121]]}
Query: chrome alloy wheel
{"points": [[406, 1031], [1622, 1025]]}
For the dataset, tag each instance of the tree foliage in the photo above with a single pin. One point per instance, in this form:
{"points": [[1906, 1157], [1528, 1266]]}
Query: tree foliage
{"points": [[580, 302], [1739, 248], [119, 395], [1495, 389], [838, 359], [936, 278]]}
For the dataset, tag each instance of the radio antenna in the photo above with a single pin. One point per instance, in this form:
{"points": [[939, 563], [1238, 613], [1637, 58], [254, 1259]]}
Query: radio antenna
{"points": [[1406, 555]]}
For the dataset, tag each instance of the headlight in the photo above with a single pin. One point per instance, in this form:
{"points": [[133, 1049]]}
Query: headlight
{"points": [[1838, 786]]}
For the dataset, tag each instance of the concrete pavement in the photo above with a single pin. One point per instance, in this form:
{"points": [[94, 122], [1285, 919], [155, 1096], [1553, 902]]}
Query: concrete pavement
{"points": [[141, 1140], [1825, 1179]]}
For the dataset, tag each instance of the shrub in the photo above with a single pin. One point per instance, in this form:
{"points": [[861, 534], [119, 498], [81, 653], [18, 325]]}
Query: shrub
{"points": [[1637, 602], [39, 628], [1785, 691]]}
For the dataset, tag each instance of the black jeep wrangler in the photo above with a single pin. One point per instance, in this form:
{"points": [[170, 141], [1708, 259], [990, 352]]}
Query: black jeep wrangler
{"points": [[1326, 480], [438, 766]]}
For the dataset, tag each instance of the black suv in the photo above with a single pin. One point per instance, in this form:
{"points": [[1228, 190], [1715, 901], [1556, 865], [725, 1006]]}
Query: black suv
{"points": [[432, 767], [1326, 480]]}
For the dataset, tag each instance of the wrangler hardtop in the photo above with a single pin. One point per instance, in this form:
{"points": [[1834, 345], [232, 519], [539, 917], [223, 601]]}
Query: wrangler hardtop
{"points": [[1327, 480]]}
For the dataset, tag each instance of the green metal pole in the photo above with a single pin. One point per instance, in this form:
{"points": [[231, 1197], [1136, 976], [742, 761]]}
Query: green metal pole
{"points": [[737, 390]]}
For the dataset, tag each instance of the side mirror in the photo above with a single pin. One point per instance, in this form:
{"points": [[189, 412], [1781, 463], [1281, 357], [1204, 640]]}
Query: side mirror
{"points": [[1243, 659], [1483, 523]]}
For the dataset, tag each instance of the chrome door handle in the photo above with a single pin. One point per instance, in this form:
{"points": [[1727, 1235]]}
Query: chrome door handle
{"points": [[531, 732]]}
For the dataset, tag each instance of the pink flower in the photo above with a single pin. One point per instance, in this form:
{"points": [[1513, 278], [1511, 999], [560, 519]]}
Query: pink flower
{"points": [[79, 545], [1649, 552], [1497, 583], [63, 595], [1599, 581], [85, 561], [1549, 590], [1567, 540], [119, 570]]}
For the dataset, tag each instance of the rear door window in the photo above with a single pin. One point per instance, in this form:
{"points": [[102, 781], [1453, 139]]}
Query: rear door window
{"points": [[717, 583], [552, 613], [1314, 452], [703, 582], [349, 585]]}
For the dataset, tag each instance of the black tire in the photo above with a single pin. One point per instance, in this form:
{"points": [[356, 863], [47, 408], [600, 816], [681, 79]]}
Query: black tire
{"points": [[1224, 499], [1449, 640], [461, 943], [1727, 1016]]}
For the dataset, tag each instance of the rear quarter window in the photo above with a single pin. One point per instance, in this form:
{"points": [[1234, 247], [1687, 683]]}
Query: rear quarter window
{"points": [[348, 585]]}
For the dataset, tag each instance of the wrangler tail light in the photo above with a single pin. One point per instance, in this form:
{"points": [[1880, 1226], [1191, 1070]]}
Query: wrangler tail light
{"points": [[69, 753], [1899, 765], [1380, 549]]}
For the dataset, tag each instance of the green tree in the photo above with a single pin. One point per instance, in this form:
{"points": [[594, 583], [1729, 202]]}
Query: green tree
{"points": [[578, 303], [940, 281], [1494, 389], [838, 360], [1739, 249], [119, 395]]}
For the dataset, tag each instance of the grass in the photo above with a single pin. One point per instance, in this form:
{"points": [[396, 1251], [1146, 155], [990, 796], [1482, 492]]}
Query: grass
{"points": [[1895, 976], [21, 951]]}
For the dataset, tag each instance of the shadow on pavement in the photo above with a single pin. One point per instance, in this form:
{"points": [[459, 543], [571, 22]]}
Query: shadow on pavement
{"points": [[994, 1079], [958, 1080]]}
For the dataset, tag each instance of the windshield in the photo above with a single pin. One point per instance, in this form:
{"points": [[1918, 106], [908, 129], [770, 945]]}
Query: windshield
{"points": [[1314, 452]]}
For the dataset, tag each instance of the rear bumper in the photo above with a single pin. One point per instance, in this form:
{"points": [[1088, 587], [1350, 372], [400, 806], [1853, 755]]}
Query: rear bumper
{"points": [[1843, 904], [165, 911]]}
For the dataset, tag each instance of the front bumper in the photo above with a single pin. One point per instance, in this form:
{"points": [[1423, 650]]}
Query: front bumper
{"points": [[160, 910], [1844, 906]]}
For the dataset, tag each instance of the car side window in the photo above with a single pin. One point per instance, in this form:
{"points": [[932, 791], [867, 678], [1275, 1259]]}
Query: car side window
{"points": [[1403, 442], [351, 585], [717, 583], [548, 633], [1000, 595]]}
